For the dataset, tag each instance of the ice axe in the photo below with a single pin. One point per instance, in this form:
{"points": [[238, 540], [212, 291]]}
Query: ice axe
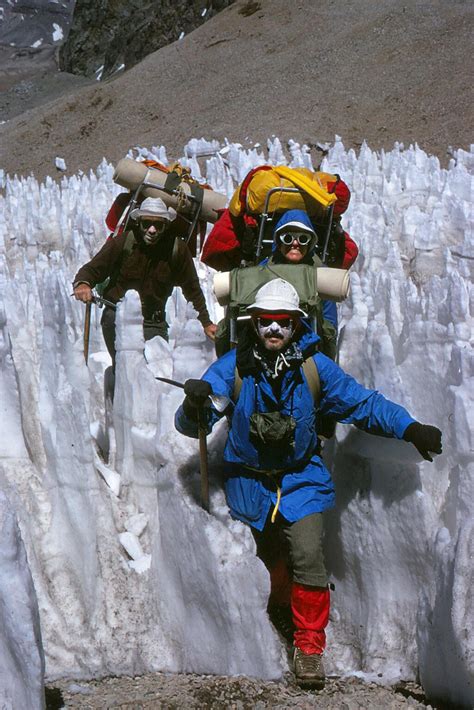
{"points": [[98, 300], [220, 403]]}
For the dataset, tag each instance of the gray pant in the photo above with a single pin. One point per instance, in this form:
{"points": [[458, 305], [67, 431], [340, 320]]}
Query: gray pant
{"points": [[300, 543]]}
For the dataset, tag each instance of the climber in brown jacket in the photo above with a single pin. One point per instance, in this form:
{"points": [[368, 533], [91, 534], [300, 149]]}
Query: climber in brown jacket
{"points": [[148, 259]]}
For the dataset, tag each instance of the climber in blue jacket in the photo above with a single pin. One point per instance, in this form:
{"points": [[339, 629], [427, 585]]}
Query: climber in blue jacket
{"points": [[276, 381]]}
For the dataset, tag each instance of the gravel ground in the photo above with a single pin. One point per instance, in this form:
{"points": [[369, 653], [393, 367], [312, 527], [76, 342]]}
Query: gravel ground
{"points": [[176, 691]]}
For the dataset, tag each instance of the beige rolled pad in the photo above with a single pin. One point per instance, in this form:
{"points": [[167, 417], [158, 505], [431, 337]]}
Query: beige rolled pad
{"points": [[130, 174], [221, 286], [332, 284]]}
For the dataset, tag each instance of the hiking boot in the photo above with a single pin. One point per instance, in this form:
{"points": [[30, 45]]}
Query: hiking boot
{"points": [[282, 619], [309, 669]]}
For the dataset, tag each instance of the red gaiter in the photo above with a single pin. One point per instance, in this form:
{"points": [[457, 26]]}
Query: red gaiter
{"points": [[310, 608]]}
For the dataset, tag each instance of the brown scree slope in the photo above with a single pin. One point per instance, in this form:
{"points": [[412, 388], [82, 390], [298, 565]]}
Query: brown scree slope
{"points": [[383, 71]]}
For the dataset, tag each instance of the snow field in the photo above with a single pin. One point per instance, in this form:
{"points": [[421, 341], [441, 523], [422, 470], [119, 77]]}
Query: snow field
{"points": [[130, 574]]}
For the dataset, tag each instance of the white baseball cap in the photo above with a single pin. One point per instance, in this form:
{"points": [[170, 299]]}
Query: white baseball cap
{"points": [[277, 295]]}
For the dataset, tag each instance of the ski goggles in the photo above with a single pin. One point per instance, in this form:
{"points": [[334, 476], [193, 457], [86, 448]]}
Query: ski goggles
{"points": [[159, 225], [284, 320], [303, 238]]}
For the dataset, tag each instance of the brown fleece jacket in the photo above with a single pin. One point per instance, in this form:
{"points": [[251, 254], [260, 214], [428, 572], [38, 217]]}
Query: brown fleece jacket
{"points": [[148, 270]]}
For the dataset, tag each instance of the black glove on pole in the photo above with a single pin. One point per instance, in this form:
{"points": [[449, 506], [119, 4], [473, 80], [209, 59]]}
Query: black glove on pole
{"points": [[197, 397], [425, 438]]}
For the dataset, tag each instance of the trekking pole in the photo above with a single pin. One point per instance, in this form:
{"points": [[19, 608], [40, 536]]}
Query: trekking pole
{"points": [[87, 330]]}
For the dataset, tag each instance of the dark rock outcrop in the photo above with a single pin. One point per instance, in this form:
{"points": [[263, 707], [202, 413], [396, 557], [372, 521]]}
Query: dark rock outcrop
{"points": [[110, 35], [34, 24]]}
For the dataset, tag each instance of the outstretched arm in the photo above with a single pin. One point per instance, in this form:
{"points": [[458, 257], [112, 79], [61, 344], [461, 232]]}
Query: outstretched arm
{"points": [[343, 398]]}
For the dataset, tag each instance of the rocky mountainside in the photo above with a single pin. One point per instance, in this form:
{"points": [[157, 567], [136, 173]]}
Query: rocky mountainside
{"points": [[386, 71], [107, 36]]}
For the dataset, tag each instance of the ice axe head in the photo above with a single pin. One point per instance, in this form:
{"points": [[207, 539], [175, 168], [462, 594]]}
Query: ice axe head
{"points": [[219, 401]]}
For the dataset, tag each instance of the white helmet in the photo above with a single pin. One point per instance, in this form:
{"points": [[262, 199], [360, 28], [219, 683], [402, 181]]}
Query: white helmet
{"points": [[154, 207], [278, 296]]}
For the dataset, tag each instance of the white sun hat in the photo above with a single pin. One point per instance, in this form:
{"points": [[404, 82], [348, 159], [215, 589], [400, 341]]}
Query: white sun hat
{"points": [[154, 207], [278, 296]]}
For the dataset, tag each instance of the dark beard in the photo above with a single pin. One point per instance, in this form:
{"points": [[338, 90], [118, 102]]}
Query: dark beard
{"points": [[275, 364]]}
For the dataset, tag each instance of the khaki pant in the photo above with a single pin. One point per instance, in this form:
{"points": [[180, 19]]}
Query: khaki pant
{"points": [[300, 543]]}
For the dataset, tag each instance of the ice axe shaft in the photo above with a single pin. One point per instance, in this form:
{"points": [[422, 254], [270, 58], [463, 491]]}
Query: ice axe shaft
{"points": [[202, 430], [87, 330]]}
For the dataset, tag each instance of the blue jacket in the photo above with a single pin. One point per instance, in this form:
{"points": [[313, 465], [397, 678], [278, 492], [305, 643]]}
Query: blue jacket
{"points": [[306, 485]]}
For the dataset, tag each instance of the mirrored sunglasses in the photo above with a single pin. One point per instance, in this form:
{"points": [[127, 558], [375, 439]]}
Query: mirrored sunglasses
{"points": [[303, 238], [283, 319], [147, 223]]}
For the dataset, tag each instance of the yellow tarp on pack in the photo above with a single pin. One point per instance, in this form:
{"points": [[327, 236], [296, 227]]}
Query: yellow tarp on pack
{"points": [[314, 200]]}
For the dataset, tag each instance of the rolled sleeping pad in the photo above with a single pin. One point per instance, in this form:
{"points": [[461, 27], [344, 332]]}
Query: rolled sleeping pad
{"points": [[333, 285], [130, 174], [221, 284]]}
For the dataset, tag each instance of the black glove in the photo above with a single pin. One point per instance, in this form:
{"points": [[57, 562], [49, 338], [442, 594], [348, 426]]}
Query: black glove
{"points": [[197, 397], [425, 438]]}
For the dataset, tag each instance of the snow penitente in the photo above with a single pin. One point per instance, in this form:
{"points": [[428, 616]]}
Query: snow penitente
{"points": [[124, 573]]}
